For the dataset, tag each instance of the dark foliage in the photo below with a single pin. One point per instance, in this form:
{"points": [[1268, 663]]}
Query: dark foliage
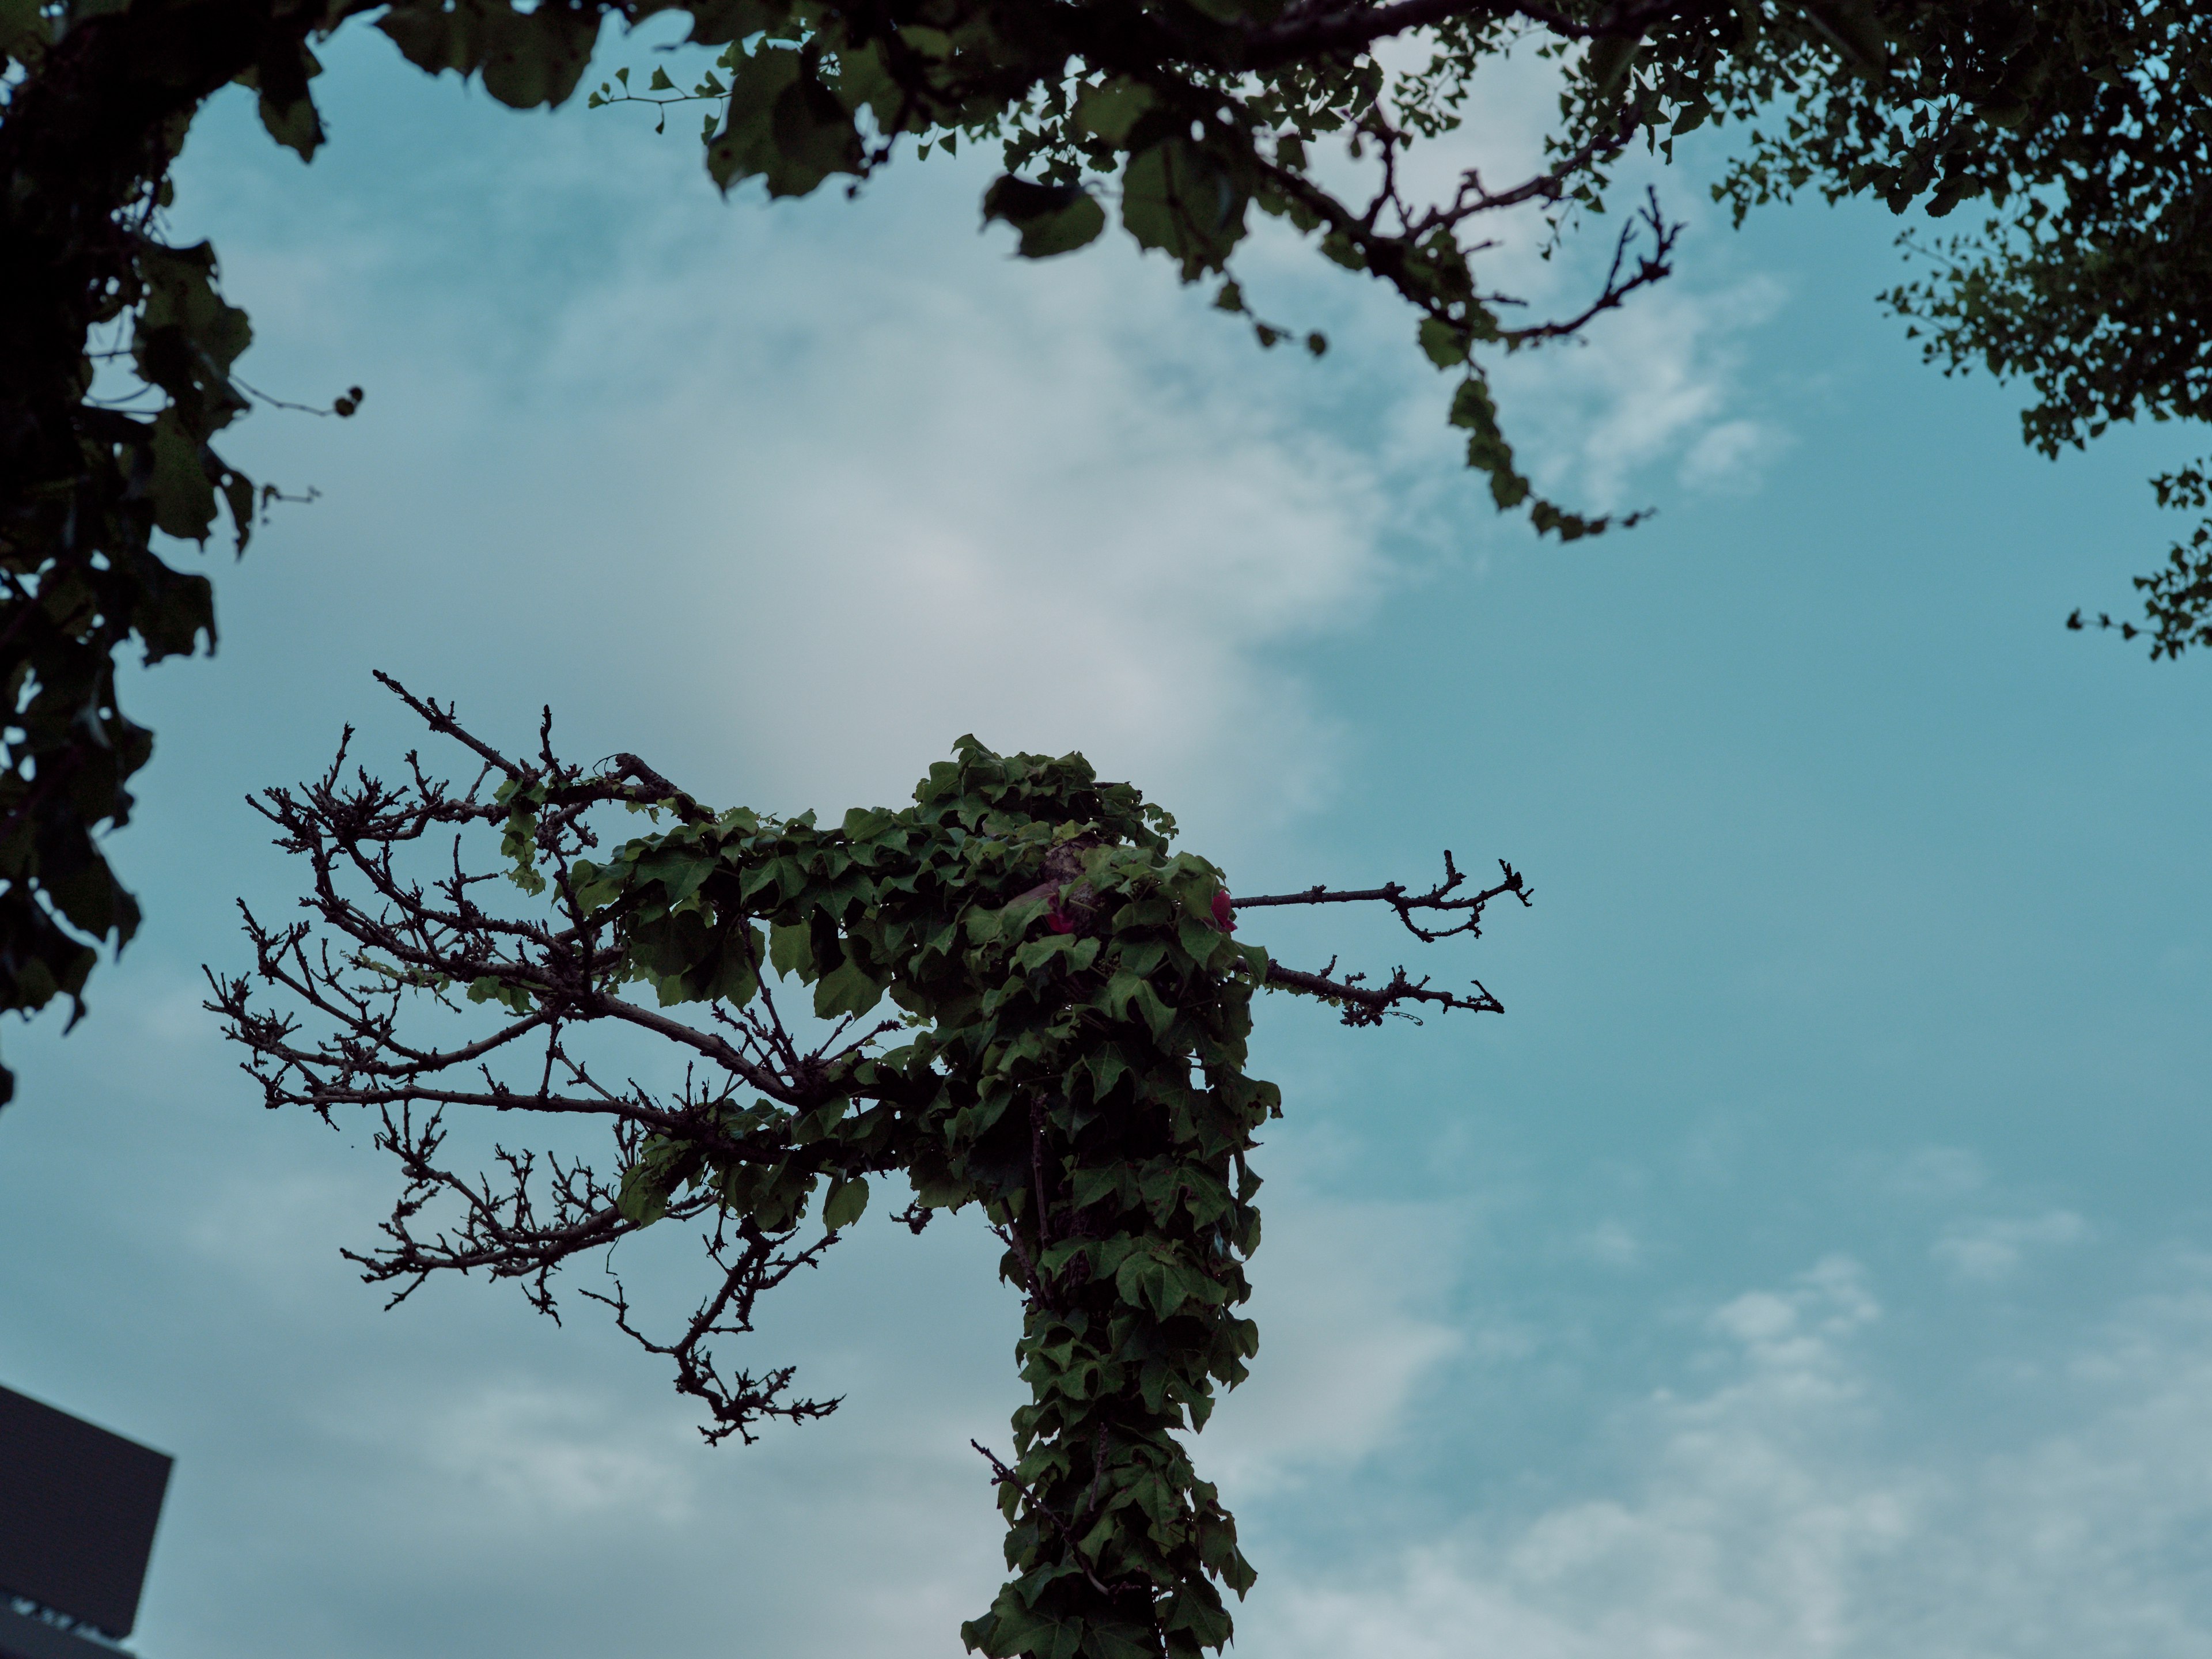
{"points": [[2077, 125], [1018, 998]]}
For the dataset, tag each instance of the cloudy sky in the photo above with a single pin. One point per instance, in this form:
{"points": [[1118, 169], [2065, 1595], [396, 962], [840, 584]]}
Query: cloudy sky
{"points": [[1812, 1261]]}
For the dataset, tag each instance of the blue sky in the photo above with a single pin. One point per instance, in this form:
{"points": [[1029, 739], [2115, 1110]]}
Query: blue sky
{"points": [[1812, 1261]]}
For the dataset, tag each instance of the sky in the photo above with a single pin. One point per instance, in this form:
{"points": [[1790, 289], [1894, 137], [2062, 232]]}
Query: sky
{"points": [[1812, 1262]]}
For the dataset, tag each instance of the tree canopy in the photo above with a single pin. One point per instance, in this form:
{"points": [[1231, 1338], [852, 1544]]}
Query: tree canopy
{"points": [[2074, 132], [1065, 1051]]}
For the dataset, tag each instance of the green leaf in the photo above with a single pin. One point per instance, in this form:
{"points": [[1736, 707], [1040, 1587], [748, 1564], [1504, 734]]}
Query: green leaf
{"points": [[433, 40], [813, 133], [845, 1201], [1038, 951], [23, 30], [1202, 941], [1140, 956], [1158, 1016], [717, 23], [596, 888], [1051, 218], [734, 980], [1115, 998], [288, 112], [1107, 1068], [182, 489], [1854, 28], [745, 148], [846, 990], [1090, 1186], [680, 871], [1445, 346], [1611, 57], [791, 951], [1109, 112], [1178, 198], [537, 57], [642, 1199]]}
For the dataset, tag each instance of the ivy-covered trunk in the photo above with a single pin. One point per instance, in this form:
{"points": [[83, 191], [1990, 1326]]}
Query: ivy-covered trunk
{"points": [[1084, 1067], [1112, 1135]]}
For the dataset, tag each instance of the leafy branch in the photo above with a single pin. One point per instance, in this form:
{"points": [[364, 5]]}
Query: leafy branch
{"points": [[1069, 1059]]}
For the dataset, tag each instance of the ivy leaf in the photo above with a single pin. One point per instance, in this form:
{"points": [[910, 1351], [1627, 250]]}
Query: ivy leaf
{"points": [[1091, 1187], [846, 990], [813, 132], [24, 31], [845, 1201], [1141, 956], [431, 38], [598, 888], [288, 112], [1157, 1015], [718, 22], [791, 951], [680, 871], [181, 490]]}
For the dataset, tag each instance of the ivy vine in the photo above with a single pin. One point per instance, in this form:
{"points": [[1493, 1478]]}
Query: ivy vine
{"points": [[1016, 998]]}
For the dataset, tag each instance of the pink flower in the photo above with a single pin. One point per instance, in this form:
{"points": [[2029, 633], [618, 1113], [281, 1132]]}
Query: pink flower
{"points": [[1056, 919], [1225, 912]]}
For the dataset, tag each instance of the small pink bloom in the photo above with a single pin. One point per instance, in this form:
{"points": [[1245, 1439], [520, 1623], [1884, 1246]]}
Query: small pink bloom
{"points": [[1057, 920], [1225, 914]]}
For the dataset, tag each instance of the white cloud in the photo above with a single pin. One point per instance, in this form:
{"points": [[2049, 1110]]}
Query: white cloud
{"points": [[352, 1483], [1661, 381], [1030, 539], [1611, 1244], [823, 486], [1660, 378], [890, 485], [1345, 1298], [1987, 1249], [1938, 1172], [534, 1454], [1778, 1517], [1728, 457]]}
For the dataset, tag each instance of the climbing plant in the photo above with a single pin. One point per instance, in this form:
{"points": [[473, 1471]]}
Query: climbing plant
{"points": [[1012, 996]]}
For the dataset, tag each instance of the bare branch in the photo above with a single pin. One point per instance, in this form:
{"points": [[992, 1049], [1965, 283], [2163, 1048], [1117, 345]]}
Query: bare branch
{"points": [[1003, 1476], [1368, 1004], [1405, 903], [738, 1400], [442, 721]]}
